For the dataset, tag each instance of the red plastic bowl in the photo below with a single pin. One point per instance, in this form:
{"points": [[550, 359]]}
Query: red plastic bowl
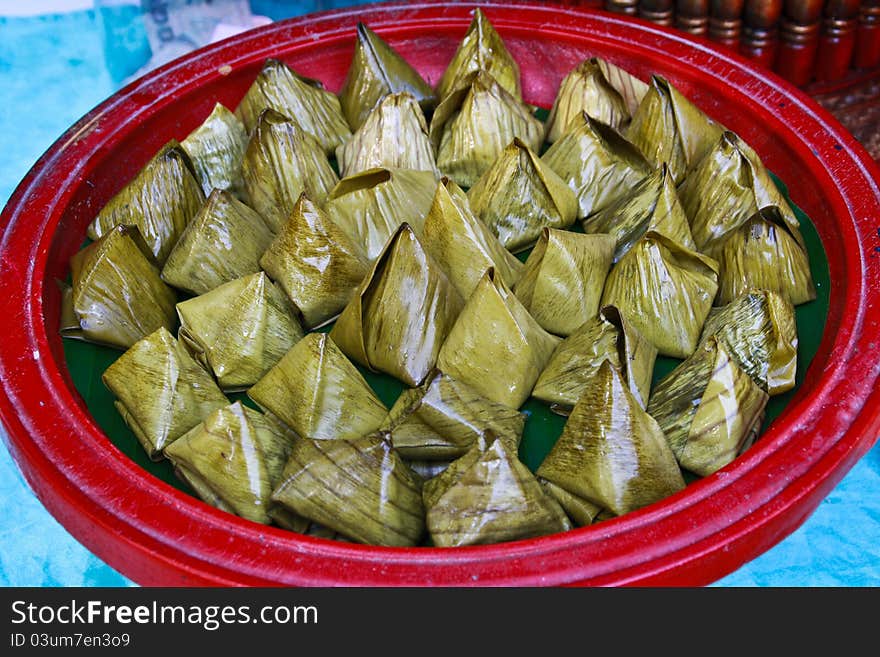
{"points": [[157, 535]]}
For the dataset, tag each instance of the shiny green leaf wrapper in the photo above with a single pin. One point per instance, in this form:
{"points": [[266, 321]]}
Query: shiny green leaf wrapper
{"points": [[315, 262], [160, 200], [581, 512], [358, 487], [316, 391], [399, 317], [223, 242], [519, 195], [630, 88], [709, 409], [496, 346], [161, 391], [665, 291], [233, 460], [216, 148], [377, 70], [611, 452], [239, 330]]}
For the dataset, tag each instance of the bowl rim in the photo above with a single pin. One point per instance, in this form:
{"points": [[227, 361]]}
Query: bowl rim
{"points": [[165, 537]]}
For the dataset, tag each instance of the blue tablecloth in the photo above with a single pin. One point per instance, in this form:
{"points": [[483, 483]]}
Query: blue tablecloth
{"points": [[53, 70]]}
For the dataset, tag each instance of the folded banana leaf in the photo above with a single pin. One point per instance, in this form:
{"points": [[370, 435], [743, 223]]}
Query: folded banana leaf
{"points": [[611, 452], [160, 200], [280, 163], [606, 337], [667, 127], [443, 418], [630, 88], [496, 346], [306, 101], [665, 291], [239, 330], [358, 487], [427, 469], [315, 262], [759, 332], [216, 148], [402, 312], [393, 134], [581, 512], [473, 125], [597, 163], [725, 188], [585, 90], [489, 496], [651, 204], [224, 241], [377, 70], [462, 244], [117, 296], [233, 460], [371, 205], [316, 391], [481, 49], [564, 275], [763, 254], [709, 409], [519, 195], [161, 391]]}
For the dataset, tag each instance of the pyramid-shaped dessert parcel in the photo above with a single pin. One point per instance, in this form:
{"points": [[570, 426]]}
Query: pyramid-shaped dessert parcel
{"points": [[233, 460], [496, 346], [240, 329], [161, 391], [611, 452], [358, 487], [216, 148], [319, 393], [376, 71], [401, 314], [489, 496], [315, 262]]}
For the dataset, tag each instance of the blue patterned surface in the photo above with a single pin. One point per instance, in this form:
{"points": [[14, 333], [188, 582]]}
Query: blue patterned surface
{"points": [[52, 71]]}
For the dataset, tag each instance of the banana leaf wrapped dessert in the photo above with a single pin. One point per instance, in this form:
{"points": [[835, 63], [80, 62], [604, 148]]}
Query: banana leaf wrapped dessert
{"points": [[371, 205], [402, 312], [358, 487], [580, 511], [631, 88], [117, 296], [161, 391], [472, 126], [611, 452], [585, 90], [315, 262], [665, 290], [462, 244], [315, 109], [239, 330], [160, 200], [597, 163], [393, 134], [606, 337], [223, 242], [763, 253], [443, 418], [725, 188], [759, 332], [519, 195], [489, 496], [652, 204], [709, 409], [667, 127], [481, 49], [280, 163], [496, 346], [316, 391], [216, 148], [563, 278], [233, 460], [376, 71]]}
